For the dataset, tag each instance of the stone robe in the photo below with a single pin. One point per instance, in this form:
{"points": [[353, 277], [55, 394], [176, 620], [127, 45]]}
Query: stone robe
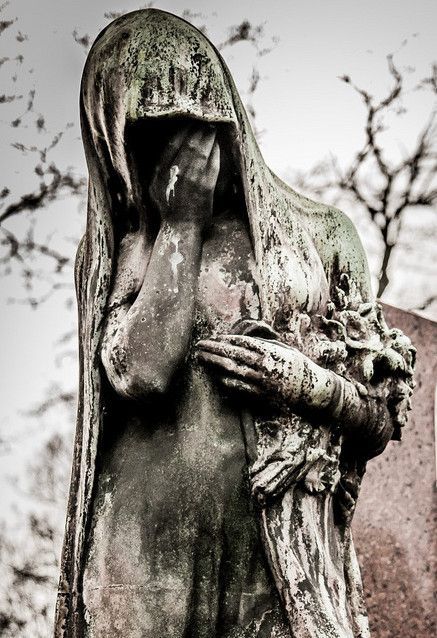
{"points": [[314, 294]]}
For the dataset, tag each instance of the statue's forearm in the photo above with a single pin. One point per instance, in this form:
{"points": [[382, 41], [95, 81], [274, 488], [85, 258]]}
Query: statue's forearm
{"points": [[315, 390], [154, 335], [363, 418]]}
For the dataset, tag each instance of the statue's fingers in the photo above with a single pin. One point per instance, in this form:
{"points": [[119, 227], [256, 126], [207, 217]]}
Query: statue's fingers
{"points": [[268, 479], [240, 386], [242, 355], [252, 343], [212, 167], [173, 147], [170, 155], [185, 158], [276, 475], [275, 458], [193, 156], [228, 365], [163, 168], [270, 487]]}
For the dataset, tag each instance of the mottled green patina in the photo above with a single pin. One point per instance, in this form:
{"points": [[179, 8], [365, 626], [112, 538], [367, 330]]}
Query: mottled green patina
{"points": [[314, 297]]}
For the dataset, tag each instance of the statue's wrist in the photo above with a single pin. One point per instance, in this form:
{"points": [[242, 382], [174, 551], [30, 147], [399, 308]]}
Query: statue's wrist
{"points": [[336, 402], [313, 388]]}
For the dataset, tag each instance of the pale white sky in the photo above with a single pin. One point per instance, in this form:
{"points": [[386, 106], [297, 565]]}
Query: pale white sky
{"points": [[306, 112]]}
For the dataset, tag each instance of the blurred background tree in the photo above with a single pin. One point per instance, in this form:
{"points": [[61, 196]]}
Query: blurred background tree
{"points": [[381, 187]]}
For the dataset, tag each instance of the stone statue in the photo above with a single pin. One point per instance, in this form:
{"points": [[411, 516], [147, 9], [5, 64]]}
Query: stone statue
{"points": [[236, 373]]}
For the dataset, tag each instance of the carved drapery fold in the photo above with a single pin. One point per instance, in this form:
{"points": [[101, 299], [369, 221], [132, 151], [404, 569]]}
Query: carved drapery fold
{"points": [[305, 478]]}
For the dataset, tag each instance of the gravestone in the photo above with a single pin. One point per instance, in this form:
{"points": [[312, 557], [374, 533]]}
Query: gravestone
{"points": [[395, 521]]}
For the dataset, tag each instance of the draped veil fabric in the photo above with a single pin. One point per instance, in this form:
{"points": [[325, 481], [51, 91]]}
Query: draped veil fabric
{"points": [[151, 64]]}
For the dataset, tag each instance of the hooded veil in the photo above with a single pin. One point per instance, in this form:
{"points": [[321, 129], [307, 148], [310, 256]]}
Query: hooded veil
{"points": [[151, 64]]}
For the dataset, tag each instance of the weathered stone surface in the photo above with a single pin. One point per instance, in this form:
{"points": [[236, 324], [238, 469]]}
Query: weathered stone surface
{"points": [[395, 522], [236, 372]]}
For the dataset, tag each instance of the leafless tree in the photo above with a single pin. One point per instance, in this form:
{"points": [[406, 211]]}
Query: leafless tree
{"points": [[29, 559], [19, 250], [383, 187]]}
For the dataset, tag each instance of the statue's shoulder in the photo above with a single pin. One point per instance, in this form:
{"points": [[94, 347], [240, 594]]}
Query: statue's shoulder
{"points": [[335, 237], [337, 242]]}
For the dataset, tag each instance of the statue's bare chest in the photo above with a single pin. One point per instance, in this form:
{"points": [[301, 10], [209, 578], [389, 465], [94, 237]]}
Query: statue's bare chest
{"points": [[228, 281], [227, 288]]}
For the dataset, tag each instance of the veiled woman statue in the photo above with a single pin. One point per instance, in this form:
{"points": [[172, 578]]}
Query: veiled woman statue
{"points": [[236, 373]]}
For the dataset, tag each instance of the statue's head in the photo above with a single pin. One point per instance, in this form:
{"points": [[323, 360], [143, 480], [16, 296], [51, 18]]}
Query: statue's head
{"points": [[148, 73], [171, 68]]}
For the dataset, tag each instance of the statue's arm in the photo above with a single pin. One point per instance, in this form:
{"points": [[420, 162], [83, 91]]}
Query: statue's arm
{"points": [[144, 345], [363, 417], [285, 376], [153, 336], [365, 412], [374, 409]]}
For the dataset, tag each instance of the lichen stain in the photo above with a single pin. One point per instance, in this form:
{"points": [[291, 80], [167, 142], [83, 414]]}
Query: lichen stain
{"points": [[176, 258], [174, 171]]}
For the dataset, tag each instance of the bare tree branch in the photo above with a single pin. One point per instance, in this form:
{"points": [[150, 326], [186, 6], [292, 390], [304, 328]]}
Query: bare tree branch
{"points": [[400, 184], [46, 193]]}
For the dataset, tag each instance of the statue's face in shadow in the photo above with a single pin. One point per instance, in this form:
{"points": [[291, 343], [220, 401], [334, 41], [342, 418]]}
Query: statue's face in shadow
{"points": [[146, 142]]}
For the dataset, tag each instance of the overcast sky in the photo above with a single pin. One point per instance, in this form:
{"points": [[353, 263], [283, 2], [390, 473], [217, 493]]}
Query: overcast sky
{"points": [[305, 111]]}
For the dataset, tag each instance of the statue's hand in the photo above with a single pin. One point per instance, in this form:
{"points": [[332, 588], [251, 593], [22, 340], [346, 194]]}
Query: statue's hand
{"points": [[255, 366], [183, 184]]}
